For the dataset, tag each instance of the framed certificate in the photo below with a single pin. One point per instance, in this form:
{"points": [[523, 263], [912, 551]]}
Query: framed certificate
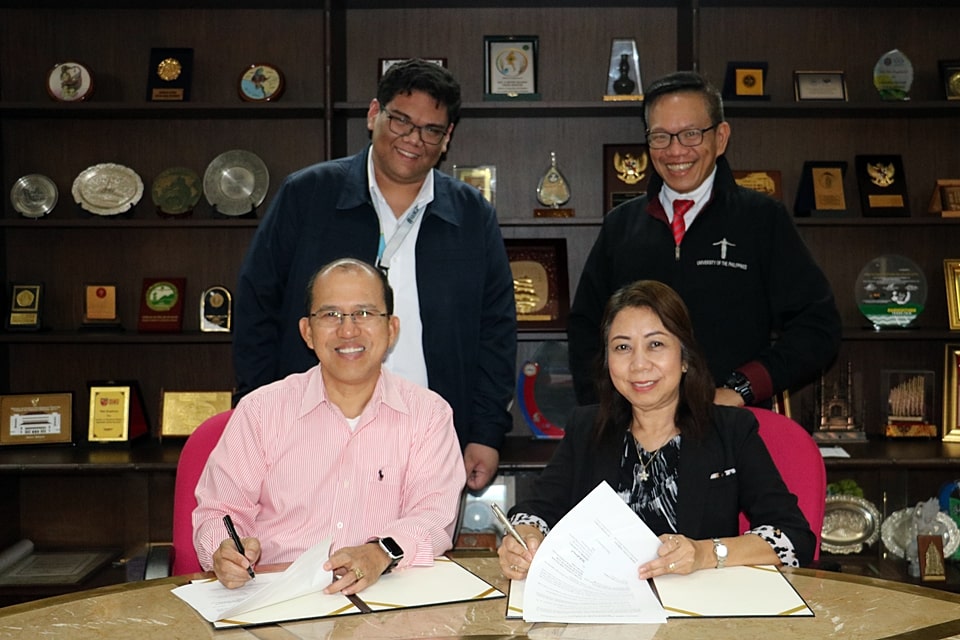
{"points": [[511, 65], [116, 412], [483, 177], [540, 283], [951, 275], [819, 85]]}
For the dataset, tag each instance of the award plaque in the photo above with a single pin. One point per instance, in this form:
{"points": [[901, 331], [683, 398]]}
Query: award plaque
{"points": [[625, 173], [930, 554], [540, 283], [891, 291], [100, 306], [545, 395], [883, 186], [951, 276], [26, 306], [483, 177], [623, 77], [511, 63], [176, 191], [161, 305], [216, 310], [181, 412], [38, 418], [553, 190], [893, 75], [838, 422], [745, 81], [386, 63], [910, 400], [820, 192], [767, 181], [261, 83], [69, 82], [116, 412], [950, 76], [169, 75], [819, 85], [945, 199], [951, 393]]}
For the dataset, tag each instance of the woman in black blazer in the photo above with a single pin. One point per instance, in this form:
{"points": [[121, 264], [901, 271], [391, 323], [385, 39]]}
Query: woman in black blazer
{"points": [[686, 466]]}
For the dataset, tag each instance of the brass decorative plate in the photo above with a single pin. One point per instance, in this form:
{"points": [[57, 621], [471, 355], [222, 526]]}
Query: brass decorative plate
{"points": [[850, 523], [176, 190], [236, 182], [34, 195], [107, 189]]}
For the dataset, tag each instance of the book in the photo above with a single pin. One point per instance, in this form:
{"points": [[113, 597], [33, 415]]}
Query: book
{"points": [[21, 564]]}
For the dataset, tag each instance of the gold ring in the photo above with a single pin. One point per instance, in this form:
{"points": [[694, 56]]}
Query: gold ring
{"points": [[514, 567], [358, 573], [672, 566]]}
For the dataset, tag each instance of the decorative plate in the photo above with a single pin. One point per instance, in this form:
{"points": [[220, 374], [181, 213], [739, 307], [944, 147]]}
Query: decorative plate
{"points": [[236, 182], [34, 195], [176, 190], [261, 83], [107, 189], [69, 82], [850, 523], [898, 530]]}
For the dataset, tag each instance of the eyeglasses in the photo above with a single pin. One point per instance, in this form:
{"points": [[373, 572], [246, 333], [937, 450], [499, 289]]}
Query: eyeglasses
{"points": [[401, 125], [687, 137], [333, 318]]}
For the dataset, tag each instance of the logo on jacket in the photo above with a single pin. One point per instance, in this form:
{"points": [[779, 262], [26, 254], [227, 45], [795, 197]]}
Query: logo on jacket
{"points": [[722, 261]]}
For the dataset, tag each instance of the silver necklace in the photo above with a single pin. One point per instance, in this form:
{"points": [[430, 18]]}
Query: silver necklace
{"points": [[644, 476]]}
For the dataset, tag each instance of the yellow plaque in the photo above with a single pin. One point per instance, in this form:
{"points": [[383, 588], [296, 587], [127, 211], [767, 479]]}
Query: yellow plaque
{"points": [[183, 411], [109, 414]]}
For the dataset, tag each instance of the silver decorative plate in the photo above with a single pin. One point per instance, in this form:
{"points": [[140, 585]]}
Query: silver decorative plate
{"points": [[107, 189], [898, 530], [849, 524], [34, 195], [236, 182]]}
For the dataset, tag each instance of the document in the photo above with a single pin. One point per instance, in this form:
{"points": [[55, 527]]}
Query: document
{"points": [[586, 571], [297, 592]]}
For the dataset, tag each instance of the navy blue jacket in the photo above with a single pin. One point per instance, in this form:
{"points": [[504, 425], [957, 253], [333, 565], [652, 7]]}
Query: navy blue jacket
{"points": [[467, 305]]}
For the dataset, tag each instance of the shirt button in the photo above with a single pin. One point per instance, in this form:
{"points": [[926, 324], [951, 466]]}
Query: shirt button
{"points": [[339, 525]]}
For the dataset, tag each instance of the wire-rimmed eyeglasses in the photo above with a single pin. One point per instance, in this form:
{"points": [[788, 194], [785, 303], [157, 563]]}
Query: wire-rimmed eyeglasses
{"points": [[687, 137], [334, 318], [401, 125]]}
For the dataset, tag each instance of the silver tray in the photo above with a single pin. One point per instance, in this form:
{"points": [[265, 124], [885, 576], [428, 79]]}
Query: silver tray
{"points": [[849, 524], [898, 530], [236, 182], [34, 195], [107, 189]]}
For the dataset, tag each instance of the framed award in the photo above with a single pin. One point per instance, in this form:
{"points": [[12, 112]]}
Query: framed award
{"points": [[161, 305], [100, 306], [540, 283], [69, 81], [950, 77], [745, 81], [216, 310], [169, 75], [386, 63], [821, 191], [483, 177], [951, 276], [26, 306], [511, 63], [951, 393], [819, 85], [261, 83], [36, 418], [117, 412], [626, 170], [181, 412], [883, 185]]}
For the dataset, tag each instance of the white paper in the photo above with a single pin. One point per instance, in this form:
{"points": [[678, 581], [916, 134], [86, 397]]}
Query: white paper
{"points": [[749, 591], [834, 452], [586, 569]]}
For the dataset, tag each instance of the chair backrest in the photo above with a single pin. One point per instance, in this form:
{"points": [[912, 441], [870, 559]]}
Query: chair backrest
{"points": [[193, 457], [800, 463]]}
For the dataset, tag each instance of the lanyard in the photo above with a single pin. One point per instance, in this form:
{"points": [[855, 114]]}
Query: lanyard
{"points": [[385, 254]]}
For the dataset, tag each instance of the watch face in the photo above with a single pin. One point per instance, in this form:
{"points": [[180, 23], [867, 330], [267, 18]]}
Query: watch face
{"points": [[391, 547]]}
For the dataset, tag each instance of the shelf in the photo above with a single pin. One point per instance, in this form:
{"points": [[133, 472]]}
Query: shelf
{"points": [[138, 456], [859, 221], [114, 337], [120, 222], [170, 110], [867, 334], [550, 222]]}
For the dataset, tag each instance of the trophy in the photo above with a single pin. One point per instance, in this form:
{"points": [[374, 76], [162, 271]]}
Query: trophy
{"points": [[893, 75], [837, 421], [623, 77], [909, 404], [891, 291], [552, 192]]}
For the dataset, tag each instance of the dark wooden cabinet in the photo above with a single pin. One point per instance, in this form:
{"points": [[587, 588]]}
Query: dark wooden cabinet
{"points": [[329, 53]]}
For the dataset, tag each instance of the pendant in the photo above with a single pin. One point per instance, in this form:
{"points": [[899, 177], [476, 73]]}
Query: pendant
{"points": [[644, 476]]}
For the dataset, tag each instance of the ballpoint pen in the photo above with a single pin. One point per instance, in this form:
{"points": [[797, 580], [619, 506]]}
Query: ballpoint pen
{"points": [[502, 517], [228, 523]]}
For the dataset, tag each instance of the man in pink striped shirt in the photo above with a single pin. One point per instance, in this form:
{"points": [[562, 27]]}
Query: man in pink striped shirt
{"points": [[346, 451]]}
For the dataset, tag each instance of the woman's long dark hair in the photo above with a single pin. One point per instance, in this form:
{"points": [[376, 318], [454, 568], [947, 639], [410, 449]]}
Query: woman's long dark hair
{"points": [[697, 388]]}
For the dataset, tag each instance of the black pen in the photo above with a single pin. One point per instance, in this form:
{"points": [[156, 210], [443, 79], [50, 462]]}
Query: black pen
{"points": [[228, 523]]}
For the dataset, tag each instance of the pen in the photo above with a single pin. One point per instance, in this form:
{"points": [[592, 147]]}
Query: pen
{"points": [[502, 517], [228, 523]]}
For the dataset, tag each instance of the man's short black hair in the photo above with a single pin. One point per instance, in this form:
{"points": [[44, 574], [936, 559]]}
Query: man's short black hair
{"points": [[349, 264], [416, 74], [679, 82]]}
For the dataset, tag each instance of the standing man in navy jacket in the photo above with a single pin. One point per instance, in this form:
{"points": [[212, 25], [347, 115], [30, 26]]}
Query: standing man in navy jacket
{"points": [[437, 239], [762, 309]]}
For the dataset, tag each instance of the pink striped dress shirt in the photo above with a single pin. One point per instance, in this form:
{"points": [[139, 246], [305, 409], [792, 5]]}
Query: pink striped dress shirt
{"points": [[291, 473]]}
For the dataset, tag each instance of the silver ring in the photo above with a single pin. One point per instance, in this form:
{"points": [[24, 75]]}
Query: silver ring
{"points": [[672, 566]]}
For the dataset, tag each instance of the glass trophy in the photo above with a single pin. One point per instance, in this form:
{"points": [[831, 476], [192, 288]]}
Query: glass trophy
{"points": [[891, 291], [893, 75], [553, 191]]}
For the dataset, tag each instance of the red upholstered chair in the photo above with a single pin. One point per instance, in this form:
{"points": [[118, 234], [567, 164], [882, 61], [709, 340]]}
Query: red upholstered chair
{"points": [[800, 463], [193, 457]]}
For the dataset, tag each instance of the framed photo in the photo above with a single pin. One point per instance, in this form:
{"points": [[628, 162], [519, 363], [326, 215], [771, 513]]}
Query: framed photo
{"points": [[951, 276], [951, 392], [483, 177], [261, 83], [511, 67], [540, 283], [819, 85], [36, 418], [181, 412], [386, 63], [909, 403]]}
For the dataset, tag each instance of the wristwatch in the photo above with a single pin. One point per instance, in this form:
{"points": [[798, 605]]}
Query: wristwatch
{"points": [[720, 550], [741, 384], [393, 550]]}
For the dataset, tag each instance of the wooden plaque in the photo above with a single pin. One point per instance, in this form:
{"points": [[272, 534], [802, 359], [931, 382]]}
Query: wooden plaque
{"points": [[37, 418], [540, 283]]}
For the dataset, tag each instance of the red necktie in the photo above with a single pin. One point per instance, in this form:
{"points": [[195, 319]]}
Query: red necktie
{"points": [[680, 207]]}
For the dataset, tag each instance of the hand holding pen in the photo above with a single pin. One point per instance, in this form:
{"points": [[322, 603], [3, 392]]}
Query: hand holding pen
{"points": [[228, 523], [513, 565], [502, 517]]}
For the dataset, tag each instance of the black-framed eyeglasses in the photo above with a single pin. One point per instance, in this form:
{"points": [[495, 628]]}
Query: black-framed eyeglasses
{"points": [[687, 137], [334, 318], [401, 125]]}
